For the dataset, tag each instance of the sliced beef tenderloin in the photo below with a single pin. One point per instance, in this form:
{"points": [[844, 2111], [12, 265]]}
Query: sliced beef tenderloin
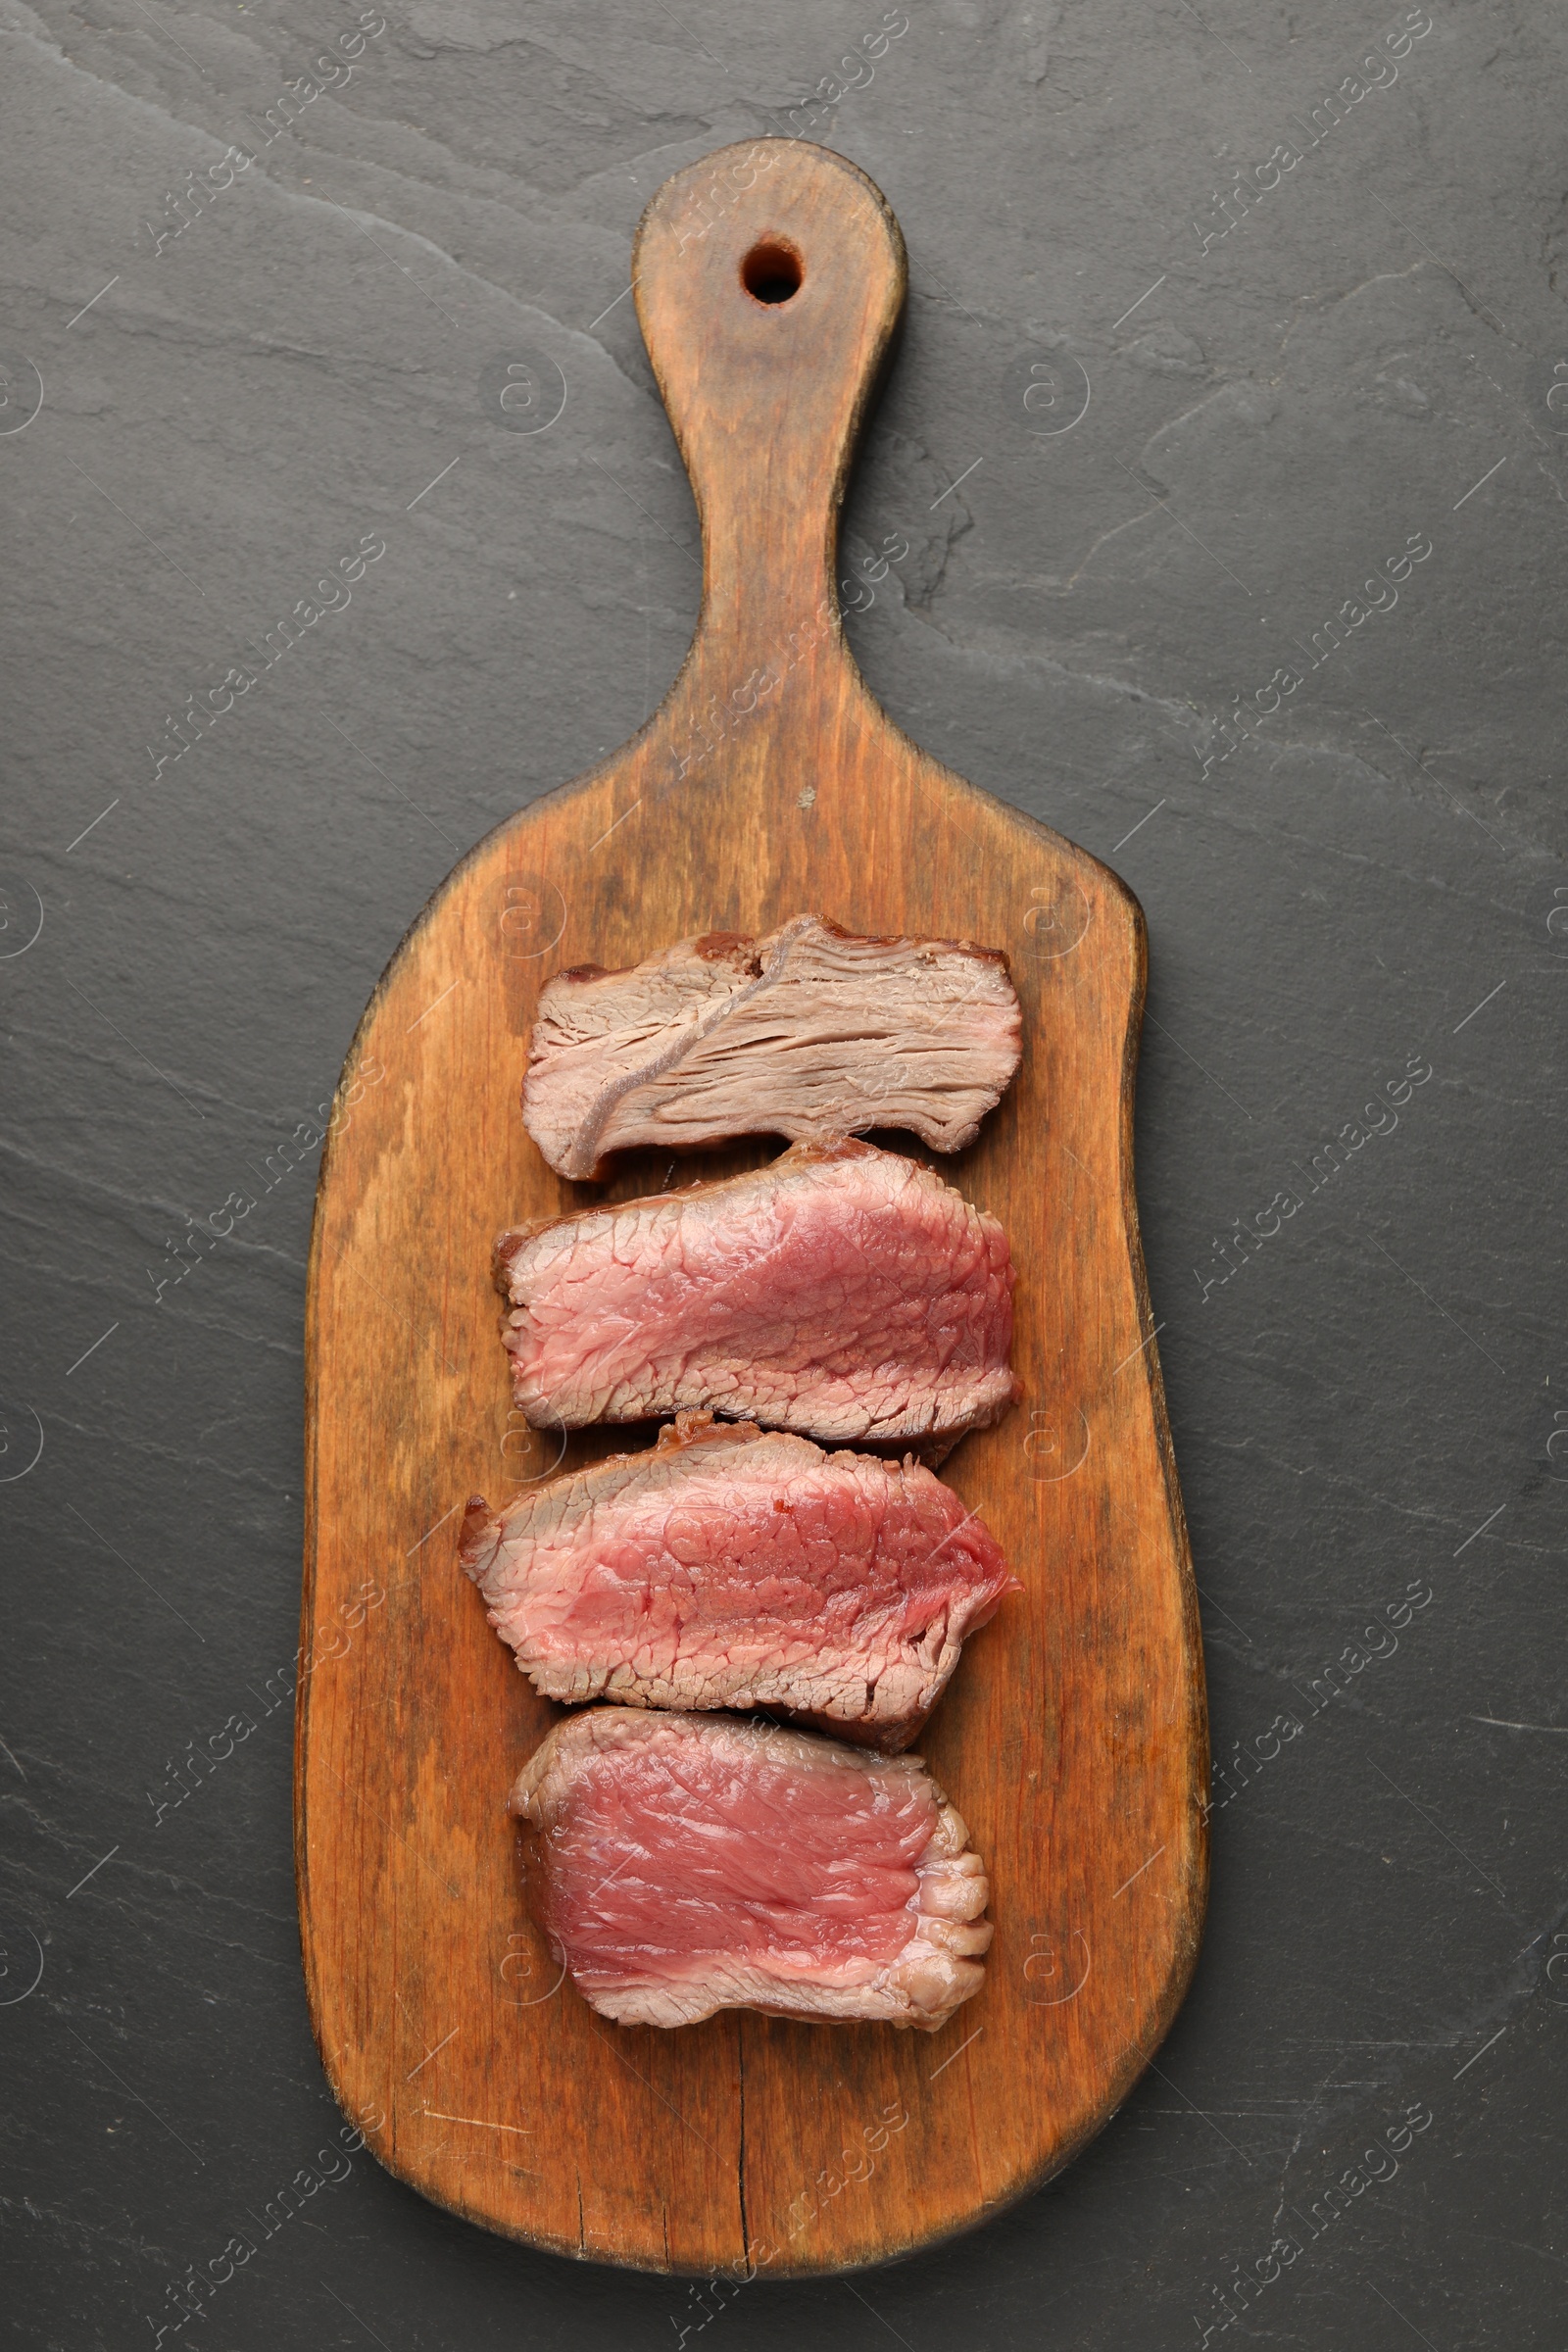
{"points": [[680, 1864], [808, 1033], [729, 1568], [841, 1292]]}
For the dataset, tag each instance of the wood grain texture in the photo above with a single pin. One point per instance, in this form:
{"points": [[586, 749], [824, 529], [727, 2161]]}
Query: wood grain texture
{"points": [[1073, 1736]]}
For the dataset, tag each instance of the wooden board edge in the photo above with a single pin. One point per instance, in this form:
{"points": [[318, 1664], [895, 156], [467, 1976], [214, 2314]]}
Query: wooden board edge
{"points": [[1187, 1937]]}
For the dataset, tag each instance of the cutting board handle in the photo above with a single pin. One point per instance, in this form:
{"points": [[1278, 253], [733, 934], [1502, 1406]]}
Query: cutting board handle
{"points": [[769, 279]]}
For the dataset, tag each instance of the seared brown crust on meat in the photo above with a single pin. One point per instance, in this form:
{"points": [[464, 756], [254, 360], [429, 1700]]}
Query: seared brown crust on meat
{"points": [[729, 1568], [842, 1291], [811, 1031], [513, 1243]]}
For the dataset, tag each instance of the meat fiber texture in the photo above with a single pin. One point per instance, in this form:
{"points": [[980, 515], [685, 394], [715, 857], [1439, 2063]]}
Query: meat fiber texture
{"points": [[808, 1033], [726, 1568], [840, 1292], [680, 1864]]}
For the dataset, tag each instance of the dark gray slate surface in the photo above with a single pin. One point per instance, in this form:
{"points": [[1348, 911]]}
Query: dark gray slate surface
{"points": [[1371, 883]]}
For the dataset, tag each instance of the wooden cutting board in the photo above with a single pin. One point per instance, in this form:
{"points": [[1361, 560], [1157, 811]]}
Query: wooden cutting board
{"points": [[1073, 1736]]}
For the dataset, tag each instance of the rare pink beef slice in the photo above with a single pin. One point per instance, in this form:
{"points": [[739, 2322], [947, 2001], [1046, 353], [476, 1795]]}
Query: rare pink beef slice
{"points": [[680, 1864], [732, 1568], [841, 1292], [808, 1033]]}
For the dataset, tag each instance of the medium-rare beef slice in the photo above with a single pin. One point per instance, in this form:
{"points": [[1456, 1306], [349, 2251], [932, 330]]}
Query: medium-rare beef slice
{"points": [[680, 1864], [841, 1292], [808, 1033], [729, 1568]]}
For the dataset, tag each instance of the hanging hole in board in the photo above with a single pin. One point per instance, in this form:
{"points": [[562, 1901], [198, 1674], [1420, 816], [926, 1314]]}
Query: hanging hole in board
{"points": [[772, 272]]}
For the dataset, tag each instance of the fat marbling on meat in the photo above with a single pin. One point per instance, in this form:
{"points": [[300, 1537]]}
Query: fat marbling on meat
{"points": [[727, 1567], [841, 1292], [681, 1864]]}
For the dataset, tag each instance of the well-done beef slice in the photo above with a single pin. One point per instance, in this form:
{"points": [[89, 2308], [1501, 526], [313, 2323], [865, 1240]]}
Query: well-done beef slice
{"points": [[680, 1864], [808, 1033], [841, 1292], [729, 1568]]}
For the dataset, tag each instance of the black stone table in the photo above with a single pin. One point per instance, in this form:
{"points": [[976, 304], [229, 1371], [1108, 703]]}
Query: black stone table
{"points": [[1214, 513]]}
